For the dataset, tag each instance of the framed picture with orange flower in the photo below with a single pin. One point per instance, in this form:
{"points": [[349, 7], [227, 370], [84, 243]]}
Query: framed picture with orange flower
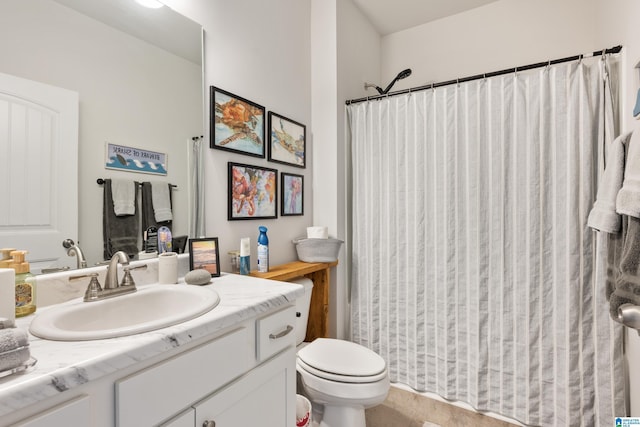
{"points": [[237, 124], [252, 192], [292, 196]]}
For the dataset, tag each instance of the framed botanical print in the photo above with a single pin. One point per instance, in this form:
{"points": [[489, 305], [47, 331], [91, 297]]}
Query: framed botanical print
{"points": [[292, 196], [252, 192]]}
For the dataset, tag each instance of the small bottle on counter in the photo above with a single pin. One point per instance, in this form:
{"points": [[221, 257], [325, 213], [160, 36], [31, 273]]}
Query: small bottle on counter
{"points": [[263, 250], [25, 285], [245, 255]]}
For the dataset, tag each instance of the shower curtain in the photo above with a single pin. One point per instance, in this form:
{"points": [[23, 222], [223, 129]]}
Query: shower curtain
{"points": [[474, 274]]}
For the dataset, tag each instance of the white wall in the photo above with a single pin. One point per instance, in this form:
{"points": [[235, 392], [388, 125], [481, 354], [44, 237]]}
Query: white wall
{"points": [[500, 35], [131, 93], [258, 50]]}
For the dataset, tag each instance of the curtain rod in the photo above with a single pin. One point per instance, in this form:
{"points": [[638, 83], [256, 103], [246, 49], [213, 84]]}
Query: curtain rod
{"points": [[101, 181], [615, 49]]}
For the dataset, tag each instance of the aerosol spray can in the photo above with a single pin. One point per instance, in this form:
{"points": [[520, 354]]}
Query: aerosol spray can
{"points": [[263, 250]]}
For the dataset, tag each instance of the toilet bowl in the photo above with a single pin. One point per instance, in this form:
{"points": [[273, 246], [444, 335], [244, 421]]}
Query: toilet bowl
{"points": [[340, 378]]}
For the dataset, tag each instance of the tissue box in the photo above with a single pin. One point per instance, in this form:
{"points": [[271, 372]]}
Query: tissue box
{"points": [[318, 250]]}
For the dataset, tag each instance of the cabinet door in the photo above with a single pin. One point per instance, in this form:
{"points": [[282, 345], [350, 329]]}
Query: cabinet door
{"points": [[264, 397], [161, 391]]}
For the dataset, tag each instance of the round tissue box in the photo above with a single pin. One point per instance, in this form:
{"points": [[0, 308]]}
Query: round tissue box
{"points": [[318, 250]]}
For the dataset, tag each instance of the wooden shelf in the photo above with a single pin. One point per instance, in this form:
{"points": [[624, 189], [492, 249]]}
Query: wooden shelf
{"points": [[320, 275]]}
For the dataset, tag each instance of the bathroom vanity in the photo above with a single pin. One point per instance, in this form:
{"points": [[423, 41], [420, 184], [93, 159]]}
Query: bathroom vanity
{"points": [[233, 366]]}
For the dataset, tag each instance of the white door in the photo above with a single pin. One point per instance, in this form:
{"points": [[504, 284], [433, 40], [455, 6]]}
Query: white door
{"points": [[38, 170]]}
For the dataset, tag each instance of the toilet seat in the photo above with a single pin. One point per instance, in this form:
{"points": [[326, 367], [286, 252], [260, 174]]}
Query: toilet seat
{"points": [[341, 361]]}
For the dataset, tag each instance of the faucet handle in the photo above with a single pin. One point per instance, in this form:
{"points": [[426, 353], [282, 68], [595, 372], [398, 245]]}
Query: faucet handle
{"points": [[127, 280], [94, 288]]}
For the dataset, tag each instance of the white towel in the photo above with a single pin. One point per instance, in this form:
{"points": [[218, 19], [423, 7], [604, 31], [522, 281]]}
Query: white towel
{"points": [[7, 323], [161, 201], [123, 193], [12, 338], [603, 216], [628, 200], [14, 348]]}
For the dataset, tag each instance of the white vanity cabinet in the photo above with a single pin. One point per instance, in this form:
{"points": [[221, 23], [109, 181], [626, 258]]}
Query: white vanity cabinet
{"points": [[232, 381], [232, 366]]}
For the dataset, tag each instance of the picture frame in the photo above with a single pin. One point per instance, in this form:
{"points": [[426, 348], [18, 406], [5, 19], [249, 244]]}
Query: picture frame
{"points": [[292, 194], [204, 253], [236, 124], [287, 141], [252, 192]]}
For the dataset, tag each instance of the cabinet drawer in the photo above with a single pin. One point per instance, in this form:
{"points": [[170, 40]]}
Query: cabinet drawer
{"points": [[157, 393], [275, 332]]}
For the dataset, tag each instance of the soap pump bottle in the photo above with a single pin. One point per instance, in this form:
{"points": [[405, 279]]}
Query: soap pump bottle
{"points": [[25, 285], [263, 250], [245, 255]]}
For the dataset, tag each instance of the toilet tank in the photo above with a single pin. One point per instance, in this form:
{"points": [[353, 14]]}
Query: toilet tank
{"points": [[302, 308]]}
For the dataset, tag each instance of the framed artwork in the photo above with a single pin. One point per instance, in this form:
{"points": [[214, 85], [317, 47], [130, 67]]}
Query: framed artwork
{"points": [[287, 141], [292, 196], [252, 192], [237, 124], [204, 254]]}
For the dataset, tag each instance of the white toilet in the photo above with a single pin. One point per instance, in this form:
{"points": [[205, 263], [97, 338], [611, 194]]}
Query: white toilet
{"points": [[340, 378]]}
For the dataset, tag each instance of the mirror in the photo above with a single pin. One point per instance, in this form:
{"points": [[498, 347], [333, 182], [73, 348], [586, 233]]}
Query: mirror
{"points": [[138, 75]]}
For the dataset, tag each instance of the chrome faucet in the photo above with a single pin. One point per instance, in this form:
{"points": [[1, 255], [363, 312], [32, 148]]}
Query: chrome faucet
{"points": [[74, 250], [111, 288], [111, 281]]}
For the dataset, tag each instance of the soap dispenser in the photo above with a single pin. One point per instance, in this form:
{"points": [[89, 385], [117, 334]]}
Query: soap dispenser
{"points": [[25, 285]]}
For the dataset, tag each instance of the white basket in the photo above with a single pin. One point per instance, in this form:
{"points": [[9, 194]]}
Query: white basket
{"points": [[318, 250], [303, 411]]}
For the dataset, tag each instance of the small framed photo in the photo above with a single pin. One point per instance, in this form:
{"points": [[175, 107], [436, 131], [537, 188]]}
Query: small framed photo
{"points": [[237, 124], [204, 254], [252, 192], [292, 197], [287, 141]]}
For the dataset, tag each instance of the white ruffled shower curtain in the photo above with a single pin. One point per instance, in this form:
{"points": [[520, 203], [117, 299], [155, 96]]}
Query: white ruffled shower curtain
{"points": [[474, 274]]}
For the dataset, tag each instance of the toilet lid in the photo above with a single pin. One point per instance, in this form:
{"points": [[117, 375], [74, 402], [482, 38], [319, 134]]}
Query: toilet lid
{"points": [[340, 357]]}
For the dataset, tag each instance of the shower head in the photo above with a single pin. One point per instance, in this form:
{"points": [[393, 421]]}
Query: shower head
{"points": [[401, 75]]}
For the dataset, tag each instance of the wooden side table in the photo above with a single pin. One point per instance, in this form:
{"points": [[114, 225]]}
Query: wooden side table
{"points": [[320, 274]]}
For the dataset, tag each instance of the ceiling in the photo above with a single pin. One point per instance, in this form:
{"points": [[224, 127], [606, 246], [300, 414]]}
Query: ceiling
{"points": [[390, 16]]}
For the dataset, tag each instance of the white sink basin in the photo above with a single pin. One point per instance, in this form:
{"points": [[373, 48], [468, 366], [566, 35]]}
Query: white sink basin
{"points": [[150, 308]]}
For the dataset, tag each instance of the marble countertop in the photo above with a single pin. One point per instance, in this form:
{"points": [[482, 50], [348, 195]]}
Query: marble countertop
{"points": [[64, 365]]}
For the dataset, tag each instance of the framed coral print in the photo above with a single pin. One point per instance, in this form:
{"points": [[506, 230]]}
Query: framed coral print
{"points": [[292, 197], [287, 141], [237, 124], [252, 192], [204, 254]]}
